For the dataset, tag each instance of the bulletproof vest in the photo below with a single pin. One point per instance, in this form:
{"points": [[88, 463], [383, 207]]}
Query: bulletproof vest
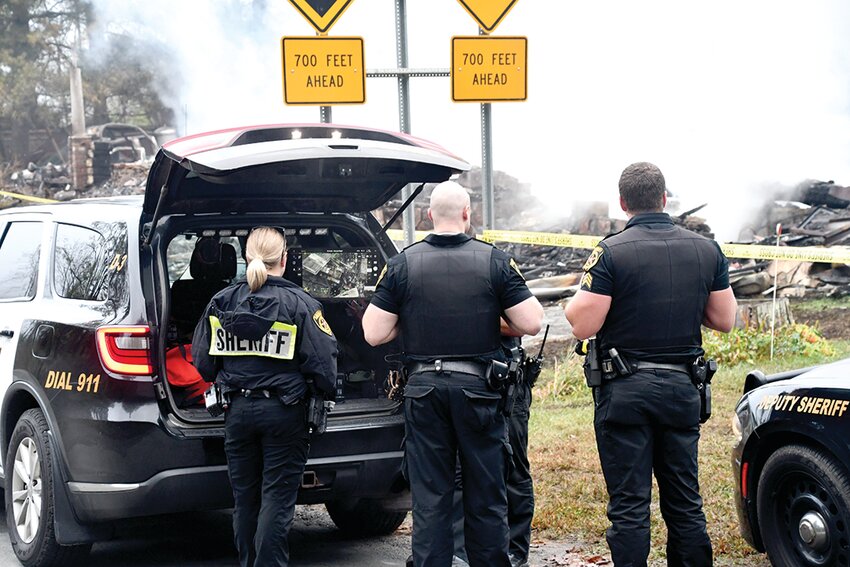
{"points": [[450, 308], [662, 279]]}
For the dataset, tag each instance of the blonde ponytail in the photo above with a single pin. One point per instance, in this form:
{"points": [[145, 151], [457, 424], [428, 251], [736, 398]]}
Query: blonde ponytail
{"points": [[257, 274], [265, 248]]}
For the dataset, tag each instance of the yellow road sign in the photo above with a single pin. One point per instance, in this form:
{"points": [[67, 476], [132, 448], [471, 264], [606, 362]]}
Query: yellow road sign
{"points": [[323, 70], [489, 69], [488, 13], [322, 14]]}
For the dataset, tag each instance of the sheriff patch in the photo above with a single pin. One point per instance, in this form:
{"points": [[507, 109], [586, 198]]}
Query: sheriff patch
{"points": [[516, 268], [279, 342], [320, 322], [586, 281], [593, 259]]}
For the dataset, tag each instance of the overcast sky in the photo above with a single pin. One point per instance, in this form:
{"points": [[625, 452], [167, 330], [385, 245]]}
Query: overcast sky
{"points": [[729, 98]]}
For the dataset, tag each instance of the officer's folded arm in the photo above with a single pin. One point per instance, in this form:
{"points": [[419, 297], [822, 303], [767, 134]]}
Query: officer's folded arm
{"points": [[379, 326], [526, 317], [721, 310], [586, 312]]}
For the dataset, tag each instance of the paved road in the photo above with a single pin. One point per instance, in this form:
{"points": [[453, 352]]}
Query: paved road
{"points": [[204, 539]]}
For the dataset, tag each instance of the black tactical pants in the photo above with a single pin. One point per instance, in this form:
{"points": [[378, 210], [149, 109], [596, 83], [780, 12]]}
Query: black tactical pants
{"points": [[520, 484], [450, 417], [266, 445], [649, 422]]}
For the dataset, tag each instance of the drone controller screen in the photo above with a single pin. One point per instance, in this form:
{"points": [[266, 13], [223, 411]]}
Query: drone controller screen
{"points": [[328, 274]]}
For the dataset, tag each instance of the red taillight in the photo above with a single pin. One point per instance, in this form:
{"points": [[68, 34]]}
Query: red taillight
{"points": [[125, 350], [744, 470]]}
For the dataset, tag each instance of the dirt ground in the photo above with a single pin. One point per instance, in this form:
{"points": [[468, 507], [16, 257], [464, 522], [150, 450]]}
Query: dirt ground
{"points": [[832, 322]]}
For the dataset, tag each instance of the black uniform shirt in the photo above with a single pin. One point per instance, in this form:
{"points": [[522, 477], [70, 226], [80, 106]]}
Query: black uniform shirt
{"points": [[599, 265], [509, 284], [282, 322], [659, 277]]}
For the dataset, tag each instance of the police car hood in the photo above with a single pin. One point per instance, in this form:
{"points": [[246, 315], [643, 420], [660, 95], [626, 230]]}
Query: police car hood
{"points": [[827, 375], [252, 317], [291, 168]]}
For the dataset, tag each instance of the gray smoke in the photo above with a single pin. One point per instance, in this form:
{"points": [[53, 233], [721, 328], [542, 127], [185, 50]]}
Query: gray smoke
{"points": [[729, 98]]}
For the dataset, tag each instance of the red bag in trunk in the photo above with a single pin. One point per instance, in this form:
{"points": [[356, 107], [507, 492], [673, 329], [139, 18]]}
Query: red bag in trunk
{"points": [[181, 373]]}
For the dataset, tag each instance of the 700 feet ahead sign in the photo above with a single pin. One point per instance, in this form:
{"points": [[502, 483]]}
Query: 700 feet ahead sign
{"points": [[489, 68], [323, 70]]}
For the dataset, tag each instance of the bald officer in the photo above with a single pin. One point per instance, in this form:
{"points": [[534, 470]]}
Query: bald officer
{"points": [[444, 297]]}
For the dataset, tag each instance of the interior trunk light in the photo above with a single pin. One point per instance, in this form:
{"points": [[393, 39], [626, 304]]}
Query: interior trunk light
{"points": [[125, 350]]}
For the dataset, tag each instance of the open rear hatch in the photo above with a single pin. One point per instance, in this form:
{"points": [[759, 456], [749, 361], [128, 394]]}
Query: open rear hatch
{"points": [[303, 168], [291, 170]]}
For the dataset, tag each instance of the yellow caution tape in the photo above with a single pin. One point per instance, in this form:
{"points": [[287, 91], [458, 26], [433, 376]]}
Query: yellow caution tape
{"points": [[26, 197], [543, 238], [833, 255]]}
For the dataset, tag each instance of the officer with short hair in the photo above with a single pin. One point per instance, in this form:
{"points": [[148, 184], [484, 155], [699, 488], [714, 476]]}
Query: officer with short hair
{"points": [[444, 297], [264, 340], [645, 293]]}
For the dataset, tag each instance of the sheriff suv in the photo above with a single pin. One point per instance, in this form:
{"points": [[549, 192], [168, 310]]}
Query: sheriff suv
{"points": [[100, 417], [792, 465]]}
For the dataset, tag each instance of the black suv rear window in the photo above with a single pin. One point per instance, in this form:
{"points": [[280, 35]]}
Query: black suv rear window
{"points": [[19, 254], [87, 265]]}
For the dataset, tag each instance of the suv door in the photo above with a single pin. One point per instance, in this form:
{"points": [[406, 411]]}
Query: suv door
{"points": [[21, 242]]}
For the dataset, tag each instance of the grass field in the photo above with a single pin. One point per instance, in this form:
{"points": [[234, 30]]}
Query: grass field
{"points": [[569, 488]]}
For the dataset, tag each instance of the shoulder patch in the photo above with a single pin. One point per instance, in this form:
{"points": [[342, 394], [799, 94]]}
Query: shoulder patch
{"points": [[381, 276], [586, 281], [593, 259], [516, 269], [320, 322]]}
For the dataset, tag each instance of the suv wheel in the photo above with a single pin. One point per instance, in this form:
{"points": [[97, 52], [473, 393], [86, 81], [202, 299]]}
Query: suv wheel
{"points": [[365, 517], [804, 508], [29, 497]]}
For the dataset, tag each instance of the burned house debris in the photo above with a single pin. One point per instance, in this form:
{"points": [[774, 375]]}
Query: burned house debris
{"points": [[111, 159], [814, 213]]}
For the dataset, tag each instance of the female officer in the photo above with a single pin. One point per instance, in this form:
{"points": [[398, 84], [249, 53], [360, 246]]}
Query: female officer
{"points": [[262, 340]]}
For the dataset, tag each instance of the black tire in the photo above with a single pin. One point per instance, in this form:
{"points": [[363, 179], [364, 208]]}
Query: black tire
{"points": [[804, 509], [29, 497], [365, 518]]}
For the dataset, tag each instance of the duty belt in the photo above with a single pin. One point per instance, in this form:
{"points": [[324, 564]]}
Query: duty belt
{"points": [[440, 366], [640, 365], [253, 393]]}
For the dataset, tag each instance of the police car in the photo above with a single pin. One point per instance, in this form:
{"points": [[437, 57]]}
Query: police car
{"points": [[792, 465], [100, 417]]}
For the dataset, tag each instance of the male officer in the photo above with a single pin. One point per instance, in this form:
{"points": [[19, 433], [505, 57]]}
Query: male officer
{"points": [[520, 484], [444, 297], [645, 292]]}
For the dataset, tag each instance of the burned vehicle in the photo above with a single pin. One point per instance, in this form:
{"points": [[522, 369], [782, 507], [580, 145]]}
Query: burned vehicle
{"points": [[100, 298], [792, 465]]}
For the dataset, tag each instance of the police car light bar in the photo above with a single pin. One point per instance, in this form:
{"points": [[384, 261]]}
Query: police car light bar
{"points": [[125, 350]]}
